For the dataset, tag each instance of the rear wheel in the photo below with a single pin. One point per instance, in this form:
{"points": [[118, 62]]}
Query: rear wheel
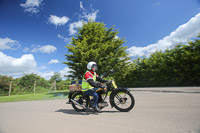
{"points": [[80, 99], [123, 100]]}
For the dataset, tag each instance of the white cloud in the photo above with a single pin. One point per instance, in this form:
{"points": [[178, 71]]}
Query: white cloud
{"points": [[91, 16], [181, 35], [64, 38], [7, 43], [116, 37], [85, 15], [157, 3], [31, 6], [47, 74], [26, 49], [53, 61], [74, 26], [81, 5], [45, 49], [43, 67], [17, 66], [65, 71], [58, 21]]}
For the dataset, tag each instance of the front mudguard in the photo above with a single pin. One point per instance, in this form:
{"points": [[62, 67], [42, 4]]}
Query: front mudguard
{"points": [[114, 92]]}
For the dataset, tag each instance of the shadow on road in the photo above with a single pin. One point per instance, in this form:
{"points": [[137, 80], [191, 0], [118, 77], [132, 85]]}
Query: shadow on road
{"points": [[87, 112]]}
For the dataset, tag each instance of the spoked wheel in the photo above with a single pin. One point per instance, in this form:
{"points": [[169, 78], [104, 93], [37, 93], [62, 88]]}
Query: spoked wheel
{"points": [[79, 102], [123, 101]]}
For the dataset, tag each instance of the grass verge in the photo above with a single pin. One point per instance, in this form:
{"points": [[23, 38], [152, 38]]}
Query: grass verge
{"points": [[39, 96]]}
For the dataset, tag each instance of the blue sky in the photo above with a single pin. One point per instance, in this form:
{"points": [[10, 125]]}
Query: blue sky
{"points": [[33, 33]]}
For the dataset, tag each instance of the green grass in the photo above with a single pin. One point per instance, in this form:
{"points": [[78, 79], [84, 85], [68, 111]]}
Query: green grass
{"points": [[39, 96]]}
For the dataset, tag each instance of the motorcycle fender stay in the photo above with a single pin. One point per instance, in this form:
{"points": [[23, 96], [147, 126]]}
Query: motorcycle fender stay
{"points": [[116, 91]]}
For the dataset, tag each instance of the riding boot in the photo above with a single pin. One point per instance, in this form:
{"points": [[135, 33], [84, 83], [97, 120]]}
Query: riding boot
{"points": [[96, 109]]}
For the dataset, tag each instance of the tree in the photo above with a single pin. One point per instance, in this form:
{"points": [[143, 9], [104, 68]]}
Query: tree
{"points": [[56, 77], [26, 82], [95, 42], [4, 84]]}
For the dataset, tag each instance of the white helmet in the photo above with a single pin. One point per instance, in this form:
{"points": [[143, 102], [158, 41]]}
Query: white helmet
{"points": [[91, 64]]}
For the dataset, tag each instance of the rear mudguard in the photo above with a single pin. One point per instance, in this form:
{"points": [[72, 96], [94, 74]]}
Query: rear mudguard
{"points": [[71, 93], [115, 92]]}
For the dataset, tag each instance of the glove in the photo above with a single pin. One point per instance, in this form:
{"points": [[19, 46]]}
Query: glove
{"points": [[104, 89]]}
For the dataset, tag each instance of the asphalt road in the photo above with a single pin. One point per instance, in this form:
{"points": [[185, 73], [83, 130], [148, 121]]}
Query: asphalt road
{"points": [[157, 110]]}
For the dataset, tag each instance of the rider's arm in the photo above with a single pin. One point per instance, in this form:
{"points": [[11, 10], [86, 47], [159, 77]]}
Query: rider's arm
{"points": [[101, 79], [94, 84]]}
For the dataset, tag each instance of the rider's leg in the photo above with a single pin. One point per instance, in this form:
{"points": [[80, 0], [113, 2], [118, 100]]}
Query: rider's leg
{"points": [[99, 94], [95, 96]]}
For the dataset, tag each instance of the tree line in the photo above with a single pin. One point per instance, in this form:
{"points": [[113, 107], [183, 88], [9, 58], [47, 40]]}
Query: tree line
{"points": [[30, 83], [179, 66]]}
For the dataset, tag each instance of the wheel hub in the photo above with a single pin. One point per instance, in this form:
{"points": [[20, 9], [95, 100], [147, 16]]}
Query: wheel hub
{"points": [[80, 101], [123, 100]]}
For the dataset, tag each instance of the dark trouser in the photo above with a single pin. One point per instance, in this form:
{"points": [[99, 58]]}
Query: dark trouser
{"points": [[95, 96]]}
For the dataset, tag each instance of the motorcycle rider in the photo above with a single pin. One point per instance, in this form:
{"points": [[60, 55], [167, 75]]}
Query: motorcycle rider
{"points": [[89, 84]]}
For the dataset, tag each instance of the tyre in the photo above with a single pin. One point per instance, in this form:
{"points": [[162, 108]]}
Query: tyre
{"points": [[80, 99], [122, 100]]}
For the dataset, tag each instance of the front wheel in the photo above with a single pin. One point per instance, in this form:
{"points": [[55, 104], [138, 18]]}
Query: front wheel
{"points": [[122, 100]]}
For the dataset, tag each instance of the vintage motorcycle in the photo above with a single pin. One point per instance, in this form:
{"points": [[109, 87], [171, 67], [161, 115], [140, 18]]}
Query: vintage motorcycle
{"points": [[119, 98]]}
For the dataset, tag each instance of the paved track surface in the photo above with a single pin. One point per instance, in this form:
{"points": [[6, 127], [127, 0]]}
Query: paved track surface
{"points": [[157, 110]]}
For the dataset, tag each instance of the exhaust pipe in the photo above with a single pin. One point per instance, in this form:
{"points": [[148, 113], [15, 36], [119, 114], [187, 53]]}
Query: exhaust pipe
{"points": [[75, 102]]}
